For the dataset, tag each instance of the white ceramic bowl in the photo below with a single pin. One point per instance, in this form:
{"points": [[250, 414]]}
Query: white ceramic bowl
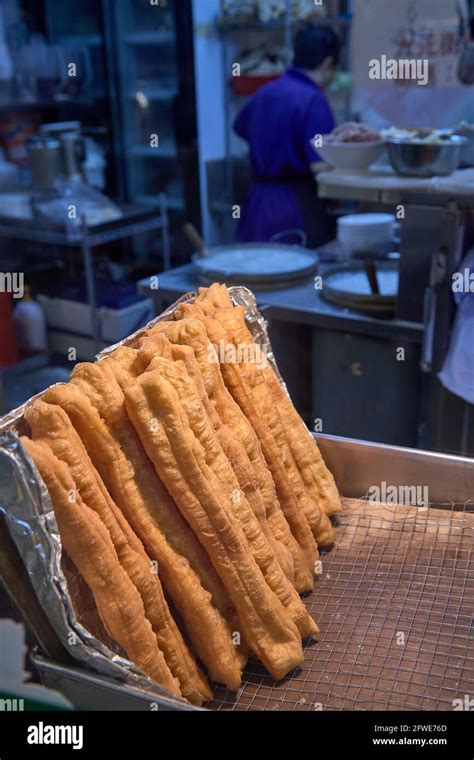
{"points": [[351, 156], [371, 232], [363, 224]]}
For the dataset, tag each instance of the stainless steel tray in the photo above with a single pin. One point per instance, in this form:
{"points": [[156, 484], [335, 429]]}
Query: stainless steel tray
{"points": [[356, 465], [394, 601], [90, 691]]}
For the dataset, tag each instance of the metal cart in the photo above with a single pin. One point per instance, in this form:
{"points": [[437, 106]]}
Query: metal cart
{"points": [[136, 220]]}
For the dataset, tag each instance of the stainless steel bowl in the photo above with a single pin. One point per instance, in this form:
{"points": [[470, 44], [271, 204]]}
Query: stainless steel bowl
{"points": [[422, 159]]}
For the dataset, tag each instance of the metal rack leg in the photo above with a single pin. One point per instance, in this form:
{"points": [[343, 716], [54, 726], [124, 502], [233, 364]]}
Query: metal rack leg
{"points": [[90, 284]]}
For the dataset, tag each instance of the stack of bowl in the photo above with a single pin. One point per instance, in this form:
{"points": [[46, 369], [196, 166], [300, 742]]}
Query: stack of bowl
{"points": [[366, 233]]}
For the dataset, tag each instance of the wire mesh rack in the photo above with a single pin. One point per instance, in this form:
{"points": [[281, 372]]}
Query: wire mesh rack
{"points": [[394, 605]]}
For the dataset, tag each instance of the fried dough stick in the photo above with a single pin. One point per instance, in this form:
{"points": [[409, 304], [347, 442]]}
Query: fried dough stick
{"points": [[175, 373], [126, 364], [158, 344], [87, 541], [51, 425], [121, 368], [192, 332], [316, 476], [236, 383], [156, 411], [262, 390], [130, 477]]}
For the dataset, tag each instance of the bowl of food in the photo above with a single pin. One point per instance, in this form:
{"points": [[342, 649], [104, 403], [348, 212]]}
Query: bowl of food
{"points": [[424, 152], [351, 146]]}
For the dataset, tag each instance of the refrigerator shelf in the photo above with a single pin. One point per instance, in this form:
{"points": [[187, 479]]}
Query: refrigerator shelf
{"points": [[167, 149], [153, 37]]}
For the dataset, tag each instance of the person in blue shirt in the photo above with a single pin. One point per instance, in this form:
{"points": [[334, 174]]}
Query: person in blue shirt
{"points": [[279, 123]]}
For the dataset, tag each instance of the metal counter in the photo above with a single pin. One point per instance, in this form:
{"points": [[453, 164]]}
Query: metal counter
{"points": [[301, 304]]}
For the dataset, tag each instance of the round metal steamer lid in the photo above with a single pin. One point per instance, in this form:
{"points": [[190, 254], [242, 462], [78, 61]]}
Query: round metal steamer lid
{"points": [[256, 263]]}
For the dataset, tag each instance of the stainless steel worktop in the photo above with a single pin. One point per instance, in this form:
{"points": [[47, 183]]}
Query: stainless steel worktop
{"points": [[300, 303]]}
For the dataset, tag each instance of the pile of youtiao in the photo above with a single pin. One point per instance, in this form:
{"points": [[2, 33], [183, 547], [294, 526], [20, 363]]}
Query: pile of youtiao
{"points": [[187, 489]]}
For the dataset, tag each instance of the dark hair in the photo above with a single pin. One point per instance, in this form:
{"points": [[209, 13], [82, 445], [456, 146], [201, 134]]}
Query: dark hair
{"points": [[313, 45]]}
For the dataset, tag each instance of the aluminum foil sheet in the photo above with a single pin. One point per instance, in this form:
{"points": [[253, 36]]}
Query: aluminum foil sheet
{"points": [[29, 514], [240, 296], [25, 501]]}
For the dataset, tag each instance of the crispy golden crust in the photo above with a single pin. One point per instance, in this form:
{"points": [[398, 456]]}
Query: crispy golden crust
{"points": [[192, 332], [127, 358], [157, 413], [199, 422], [316, 476], [185, 310], [91, 379], [183, 565], [237, 385], [159, 344], [87, 541], [213, 298], [318, 521], [258, 377], [113, 410], [244, 472], [51, 425]]}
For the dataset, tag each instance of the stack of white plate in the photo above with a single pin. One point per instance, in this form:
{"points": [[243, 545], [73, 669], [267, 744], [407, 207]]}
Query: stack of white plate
{"points": [[372, 233]]}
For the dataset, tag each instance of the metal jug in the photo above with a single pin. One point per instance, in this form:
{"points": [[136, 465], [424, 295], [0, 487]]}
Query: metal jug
{"points": [[45, 156], [72, 144]]}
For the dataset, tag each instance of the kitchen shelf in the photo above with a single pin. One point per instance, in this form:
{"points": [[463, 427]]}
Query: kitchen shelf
{"points": [[173, 203], [279, 24], [381, 184], [167, 149], [86, 40], [136, 220], [153, 54], [25, 105], [154, 93], [152, 37]]}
